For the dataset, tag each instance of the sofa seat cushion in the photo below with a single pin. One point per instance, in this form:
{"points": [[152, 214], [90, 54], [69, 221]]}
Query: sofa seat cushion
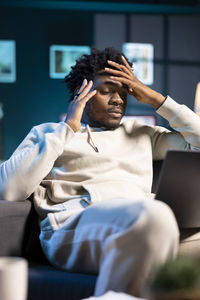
{"points": [[190, 243], [47, 282]]}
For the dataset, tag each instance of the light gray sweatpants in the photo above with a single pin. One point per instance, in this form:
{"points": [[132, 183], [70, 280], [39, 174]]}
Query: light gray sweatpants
{"points": [[120, 240]]}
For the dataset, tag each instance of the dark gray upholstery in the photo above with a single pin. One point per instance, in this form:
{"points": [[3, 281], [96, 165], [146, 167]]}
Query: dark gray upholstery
{"points": [[13, 220]]}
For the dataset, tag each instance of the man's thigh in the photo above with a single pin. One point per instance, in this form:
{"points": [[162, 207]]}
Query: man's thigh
{"points": [[79, 242], [78, 245]]}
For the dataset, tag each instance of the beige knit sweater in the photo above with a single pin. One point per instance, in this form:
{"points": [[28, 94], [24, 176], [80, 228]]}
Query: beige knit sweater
{"points": [[66, 174]]}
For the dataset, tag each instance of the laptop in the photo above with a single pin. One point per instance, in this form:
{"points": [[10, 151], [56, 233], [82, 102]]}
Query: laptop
{"points": [[179, 186]]}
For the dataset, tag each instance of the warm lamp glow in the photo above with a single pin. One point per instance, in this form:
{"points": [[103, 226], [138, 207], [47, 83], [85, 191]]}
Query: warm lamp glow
{"points": [[197, 100]]}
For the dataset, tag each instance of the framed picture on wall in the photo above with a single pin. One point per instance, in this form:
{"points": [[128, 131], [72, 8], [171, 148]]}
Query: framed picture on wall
{"points": [[63, 57], [141, 55], [7, 61]]}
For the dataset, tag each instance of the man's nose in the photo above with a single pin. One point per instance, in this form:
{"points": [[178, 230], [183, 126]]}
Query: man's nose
{"points": [[116, 99]]}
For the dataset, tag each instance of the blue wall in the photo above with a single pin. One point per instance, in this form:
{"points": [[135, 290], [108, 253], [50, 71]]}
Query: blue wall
{"points": [[35, 98]]}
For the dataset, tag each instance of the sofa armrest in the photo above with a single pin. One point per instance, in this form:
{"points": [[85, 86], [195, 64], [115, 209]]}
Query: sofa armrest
{"points": [[13, 218]]}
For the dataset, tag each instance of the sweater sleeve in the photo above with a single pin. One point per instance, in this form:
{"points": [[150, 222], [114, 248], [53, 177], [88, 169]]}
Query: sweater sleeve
{"points": [[33, 160], [186, 125]]}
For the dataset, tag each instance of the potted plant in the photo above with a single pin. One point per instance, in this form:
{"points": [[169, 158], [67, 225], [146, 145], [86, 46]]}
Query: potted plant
{"points": [[177, 279]]}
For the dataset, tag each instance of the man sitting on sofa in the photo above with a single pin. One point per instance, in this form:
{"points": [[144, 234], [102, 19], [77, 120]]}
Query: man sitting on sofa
{"points": [[91, 176]]}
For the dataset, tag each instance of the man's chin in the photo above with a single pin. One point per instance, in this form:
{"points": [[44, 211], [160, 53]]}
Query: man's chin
{"points": [[112, 124]]}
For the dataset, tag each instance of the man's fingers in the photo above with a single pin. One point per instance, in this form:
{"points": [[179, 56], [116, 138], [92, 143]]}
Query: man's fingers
{"points": [[120, 67], [117, 73], [85, 93], [123, 80], [89, 96], [84, 83], [126, 63], [85, 90], [130, 68]]}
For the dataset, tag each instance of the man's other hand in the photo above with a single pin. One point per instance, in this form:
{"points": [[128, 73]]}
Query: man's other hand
{"points": [[77, 105], [124, 74]]}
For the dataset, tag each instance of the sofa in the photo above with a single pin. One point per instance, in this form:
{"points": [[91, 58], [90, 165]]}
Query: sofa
{"points": [[19, 236]]}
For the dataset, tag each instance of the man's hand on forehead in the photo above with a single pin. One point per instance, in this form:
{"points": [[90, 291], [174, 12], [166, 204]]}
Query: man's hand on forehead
{"points": [[123, 73]]}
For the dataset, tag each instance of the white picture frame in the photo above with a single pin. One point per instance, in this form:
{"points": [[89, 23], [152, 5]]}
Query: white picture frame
{"points": [[141, 55], [7, 61], [63, 57]]}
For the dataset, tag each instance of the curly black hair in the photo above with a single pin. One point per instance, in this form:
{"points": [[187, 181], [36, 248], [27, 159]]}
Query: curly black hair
{"points": [[89, 65]]}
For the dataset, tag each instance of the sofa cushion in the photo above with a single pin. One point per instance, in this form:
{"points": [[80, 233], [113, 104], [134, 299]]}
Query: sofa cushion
{"points": [[190, 243], [46, 282]]}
